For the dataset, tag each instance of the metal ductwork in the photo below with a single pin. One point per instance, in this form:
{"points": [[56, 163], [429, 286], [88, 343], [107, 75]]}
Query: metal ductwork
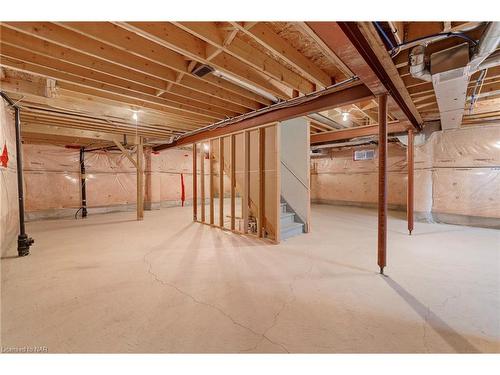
{"points": [[418, 67], [326, 120], [487, 45], [202, 70], [449, 71]]}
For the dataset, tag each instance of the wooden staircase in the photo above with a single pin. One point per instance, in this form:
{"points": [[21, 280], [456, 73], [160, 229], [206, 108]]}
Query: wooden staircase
{"points": [[289, 225]]}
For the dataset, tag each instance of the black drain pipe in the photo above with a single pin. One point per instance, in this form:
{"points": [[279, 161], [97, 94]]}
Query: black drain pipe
{"points": [[23, 241], [82, 180]]}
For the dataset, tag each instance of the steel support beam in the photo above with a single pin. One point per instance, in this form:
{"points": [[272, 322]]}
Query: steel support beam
{"points": [[358, 131], [350, 95], [358, 40], [410, 185], [382, 182], [348, 42]]}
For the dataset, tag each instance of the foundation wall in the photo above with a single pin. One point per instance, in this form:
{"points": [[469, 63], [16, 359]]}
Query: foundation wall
{"points": [[338, 179], [52, 180], [457, 177], [9, 210]]}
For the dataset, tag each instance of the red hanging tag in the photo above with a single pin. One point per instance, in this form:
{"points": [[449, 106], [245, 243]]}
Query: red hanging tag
{"points": [[183, 192], [4, 158]]}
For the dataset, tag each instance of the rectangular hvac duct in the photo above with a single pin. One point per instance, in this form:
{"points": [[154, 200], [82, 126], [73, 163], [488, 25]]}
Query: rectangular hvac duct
{"points": [[450, 78]]}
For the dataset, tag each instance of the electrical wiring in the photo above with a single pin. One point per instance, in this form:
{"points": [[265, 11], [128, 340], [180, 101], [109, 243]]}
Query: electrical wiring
{"points": [[395, 49]]}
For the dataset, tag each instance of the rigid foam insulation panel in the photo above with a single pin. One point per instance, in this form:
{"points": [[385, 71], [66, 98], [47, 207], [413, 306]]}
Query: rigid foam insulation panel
{"points": [[9, 209], [457, 177]]}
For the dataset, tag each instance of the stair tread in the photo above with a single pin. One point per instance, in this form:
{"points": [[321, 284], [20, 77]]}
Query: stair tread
{"points": [[291, 225], [287, 214]]}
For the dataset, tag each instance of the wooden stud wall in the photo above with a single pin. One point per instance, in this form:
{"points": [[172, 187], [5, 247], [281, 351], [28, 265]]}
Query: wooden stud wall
{"points": [[231, 156]]}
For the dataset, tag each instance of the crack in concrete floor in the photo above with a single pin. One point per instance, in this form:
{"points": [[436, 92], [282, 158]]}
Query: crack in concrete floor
{"points": [[214, 307], [285, 304], [465, 319]]}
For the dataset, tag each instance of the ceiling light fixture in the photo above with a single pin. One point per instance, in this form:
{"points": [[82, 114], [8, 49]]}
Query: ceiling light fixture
{"points": [[135, 115], [345, 116]]}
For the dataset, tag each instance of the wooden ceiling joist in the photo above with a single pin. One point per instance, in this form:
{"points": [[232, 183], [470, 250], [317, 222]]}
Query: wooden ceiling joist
{"points": [[127, 67], [58, 131], [164, 125], [173, 37], [84, 103], [95, 75], [324, 48], [91, 127], [37, 116], [210, 33], [24, 60], [115, 126], [120, 38], [272, 41]]}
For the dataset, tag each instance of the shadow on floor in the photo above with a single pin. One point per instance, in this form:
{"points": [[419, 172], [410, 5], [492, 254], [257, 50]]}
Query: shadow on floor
{"points": [[76, 223], [459, 343], [10, 257]]}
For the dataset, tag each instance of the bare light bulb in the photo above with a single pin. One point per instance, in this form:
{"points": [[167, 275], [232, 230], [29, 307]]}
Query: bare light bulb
{"points": [[345, 116], [135, 116], [205, 147]]}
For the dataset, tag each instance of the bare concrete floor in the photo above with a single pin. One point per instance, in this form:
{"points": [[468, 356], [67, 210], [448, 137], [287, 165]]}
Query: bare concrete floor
{"points": [[111, 284]]}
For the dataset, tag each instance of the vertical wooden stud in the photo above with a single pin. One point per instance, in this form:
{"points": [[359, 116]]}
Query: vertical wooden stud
{"points": [[262, 182], [246, 187], [195, 184], [202, 180], [233, 181], [211, 167], [277, 150], [221, 182], [140, 179]]}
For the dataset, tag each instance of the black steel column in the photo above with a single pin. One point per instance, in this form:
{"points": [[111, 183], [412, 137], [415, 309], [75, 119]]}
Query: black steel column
{"points": [[82, 180], [23, 240]]}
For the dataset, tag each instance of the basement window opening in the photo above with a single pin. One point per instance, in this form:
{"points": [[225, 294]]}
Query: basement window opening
{"points": [[363, 155]]}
